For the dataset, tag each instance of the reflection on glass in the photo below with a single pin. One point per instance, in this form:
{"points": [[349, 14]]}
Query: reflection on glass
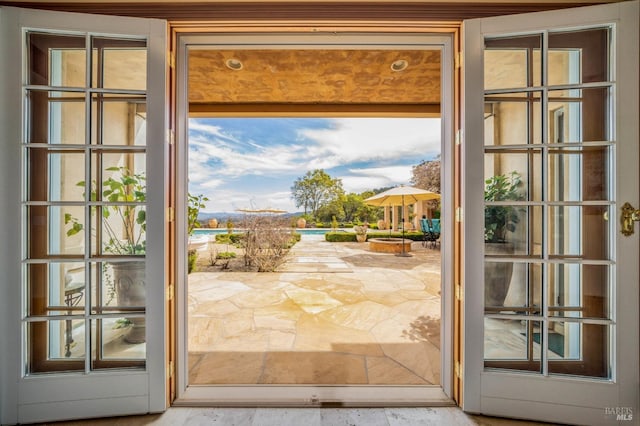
{"points": [[527, 166], [579, 291], [579, 342], [512, 339], [55, 230], [513, 230], [512, 287], [579, 115], [579, 56], [119, 63], [579, 232], [512, 62], [509, 119], [126, 168], [58, 177], [66, 339], [56, 60], [55, 117], [118, 120], [567, 182], [55, 288], [118, 287], [110, 340]]}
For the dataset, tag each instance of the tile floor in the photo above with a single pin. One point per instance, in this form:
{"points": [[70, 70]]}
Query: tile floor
{"points": [[176, 416], [334, 313]]}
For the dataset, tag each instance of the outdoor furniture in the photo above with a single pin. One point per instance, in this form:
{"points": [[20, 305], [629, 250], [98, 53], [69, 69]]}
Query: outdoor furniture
{"points": [[431, 232], [73, 293]]}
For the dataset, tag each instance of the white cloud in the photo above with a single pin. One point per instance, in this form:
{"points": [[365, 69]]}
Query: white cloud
{"points": [[363, 179], [374, 139], [347, 141]]}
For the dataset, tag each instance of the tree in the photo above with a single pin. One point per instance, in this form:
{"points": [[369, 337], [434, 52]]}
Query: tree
{"points": [[315, 189], [426, 175]]}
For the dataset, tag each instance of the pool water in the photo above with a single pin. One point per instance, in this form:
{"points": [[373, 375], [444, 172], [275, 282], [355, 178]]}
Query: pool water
{"points": [[212, 231]]}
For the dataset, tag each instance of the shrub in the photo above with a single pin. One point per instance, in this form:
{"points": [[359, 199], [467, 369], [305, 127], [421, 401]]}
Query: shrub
{"points": [[228, 238], [226, 255], [345, 237], [340, 237], [192, 257]]}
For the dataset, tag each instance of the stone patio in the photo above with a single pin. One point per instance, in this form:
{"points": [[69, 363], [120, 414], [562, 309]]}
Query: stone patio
{"points": [[334, 313]]}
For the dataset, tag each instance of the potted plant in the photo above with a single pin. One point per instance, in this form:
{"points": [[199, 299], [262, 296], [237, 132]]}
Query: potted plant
{"points": [[499, 220], [361, 233], [124, 234]]}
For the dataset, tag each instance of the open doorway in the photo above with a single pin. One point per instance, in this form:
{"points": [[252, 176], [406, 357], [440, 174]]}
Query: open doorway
{"points": [[281, 291], [334, 312]]}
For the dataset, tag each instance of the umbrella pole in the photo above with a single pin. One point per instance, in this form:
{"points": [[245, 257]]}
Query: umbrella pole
{"points": [[403, 253]]}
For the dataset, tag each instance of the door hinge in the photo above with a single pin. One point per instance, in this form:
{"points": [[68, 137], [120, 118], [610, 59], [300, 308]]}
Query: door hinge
{"points": [[458, 136], [458, 369], [170, 370], [459, 214], [170, 291], [172, 59], [459, 292], [170, 214], [171, 136], [458, 60]]}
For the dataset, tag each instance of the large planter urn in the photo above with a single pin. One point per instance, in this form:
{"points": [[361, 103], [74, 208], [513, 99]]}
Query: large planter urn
{"points": [[129, 278], [213, 223], [301, 223], [497, 275], [361, 238]]}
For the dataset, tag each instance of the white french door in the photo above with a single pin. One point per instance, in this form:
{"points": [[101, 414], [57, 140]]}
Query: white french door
{"points": [[83, 149], [551, 283]]}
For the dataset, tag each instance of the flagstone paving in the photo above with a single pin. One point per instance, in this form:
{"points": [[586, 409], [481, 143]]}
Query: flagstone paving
{"points": [[333, 313]]}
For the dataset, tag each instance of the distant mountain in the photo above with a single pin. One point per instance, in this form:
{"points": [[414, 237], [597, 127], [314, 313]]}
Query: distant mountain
{"points": [[223, 216]]}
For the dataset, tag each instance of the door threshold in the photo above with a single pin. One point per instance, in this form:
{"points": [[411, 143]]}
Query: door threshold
{"points": [[313, 396]]}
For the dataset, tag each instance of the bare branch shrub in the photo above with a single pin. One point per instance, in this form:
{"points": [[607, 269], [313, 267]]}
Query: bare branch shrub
{"points": [[266, 242]]}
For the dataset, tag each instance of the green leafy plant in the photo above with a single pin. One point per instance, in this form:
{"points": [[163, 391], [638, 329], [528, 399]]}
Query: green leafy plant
{"points": [[194, 204], [121, 191], [500, 219]]}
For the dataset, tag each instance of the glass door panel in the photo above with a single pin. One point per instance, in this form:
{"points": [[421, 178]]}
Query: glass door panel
{"points": [[548, 199], [85, 205]]}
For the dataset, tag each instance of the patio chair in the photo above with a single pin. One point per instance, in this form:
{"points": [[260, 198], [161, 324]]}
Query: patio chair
{"points": [[429, 237]]}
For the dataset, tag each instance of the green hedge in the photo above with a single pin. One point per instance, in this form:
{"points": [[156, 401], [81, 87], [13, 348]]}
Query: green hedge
{"points": [[343, 237]]}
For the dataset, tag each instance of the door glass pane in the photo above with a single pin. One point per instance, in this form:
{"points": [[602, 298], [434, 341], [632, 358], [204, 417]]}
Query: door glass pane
{"points": [[511, 118], [66, 173], [512, 287], [513, 340], [551, 203], [119, 63], [517, 170], [579, 56], [55, 117], [57, 59], [75, 211], [566, 179], [579, 291], [118, 119], [584, 345], [579, 232], [512, 62], [583, 115]]}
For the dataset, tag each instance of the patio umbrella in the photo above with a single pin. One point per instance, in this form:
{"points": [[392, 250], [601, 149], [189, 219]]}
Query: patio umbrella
{"points": [[400, 196]]}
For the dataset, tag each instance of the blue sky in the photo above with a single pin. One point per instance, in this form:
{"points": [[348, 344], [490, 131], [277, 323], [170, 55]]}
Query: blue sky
{"points": [[253, 162]]}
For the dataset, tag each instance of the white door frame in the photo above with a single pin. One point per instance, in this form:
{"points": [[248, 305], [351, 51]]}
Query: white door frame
{"points": [[532, 396], [315, 395], [59, 396]]}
